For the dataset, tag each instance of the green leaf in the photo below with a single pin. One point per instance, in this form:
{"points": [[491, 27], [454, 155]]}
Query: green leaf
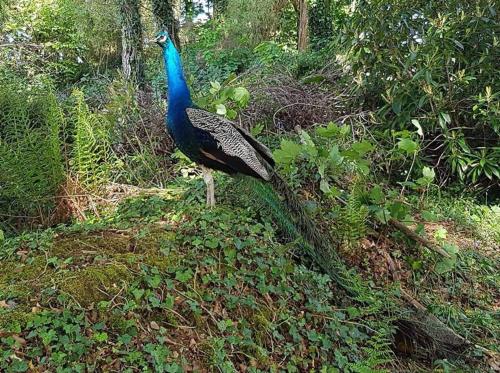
{"points": [[324, 186], [241, 96], [308, 145], [221, 109], [215, 85], [429, 216], [362, 147], [231, 114], [334, 155], [287, 153], [429, 173], [2, 236], [444, 119], [398, 210], [396, 106], [450, 248], [154, 281], [257, 129], [169, 301], [407, 145], [445, 265], [416, 123], [440, 234], [314, 79], [101, 337], [329, 131], [184, 276], [212, 243], [138, 293], [377, 194], [383, 215]]}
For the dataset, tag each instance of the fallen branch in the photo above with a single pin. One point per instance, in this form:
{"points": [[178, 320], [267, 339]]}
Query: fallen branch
{"points": [[409, 233], [414, 236]]}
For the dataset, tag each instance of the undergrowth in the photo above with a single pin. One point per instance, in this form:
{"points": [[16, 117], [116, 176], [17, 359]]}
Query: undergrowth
{"points": [[169, 286]]}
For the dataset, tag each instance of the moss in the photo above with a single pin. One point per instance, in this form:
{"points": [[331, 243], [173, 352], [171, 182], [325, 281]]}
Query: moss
{"points": [[95, 283], [10, 320], [91, 244]]}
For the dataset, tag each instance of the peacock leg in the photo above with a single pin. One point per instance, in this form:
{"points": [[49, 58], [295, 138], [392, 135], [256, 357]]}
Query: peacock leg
{"points": [[209, 181]]}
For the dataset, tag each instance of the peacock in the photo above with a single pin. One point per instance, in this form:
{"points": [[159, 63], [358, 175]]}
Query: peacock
{"points": [[212, 141], [216, 143]]}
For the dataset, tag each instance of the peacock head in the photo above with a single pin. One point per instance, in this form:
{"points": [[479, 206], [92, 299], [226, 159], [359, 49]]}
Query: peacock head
{"points": [[162, 39]]}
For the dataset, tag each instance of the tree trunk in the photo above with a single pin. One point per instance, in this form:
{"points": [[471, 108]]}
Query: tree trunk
{"points": [[166, 13], [132, 59], [302, 24]]}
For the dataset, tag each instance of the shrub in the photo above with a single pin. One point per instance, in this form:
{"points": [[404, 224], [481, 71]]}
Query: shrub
{"points": [[429, 66]]}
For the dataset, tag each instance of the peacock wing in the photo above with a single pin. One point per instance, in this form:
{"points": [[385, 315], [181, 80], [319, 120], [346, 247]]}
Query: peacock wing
{"points": [[231, 143]]}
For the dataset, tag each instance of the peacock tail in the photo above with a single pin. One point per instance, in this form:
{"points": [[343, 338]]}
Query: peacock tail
{"points": [[288, 212]]}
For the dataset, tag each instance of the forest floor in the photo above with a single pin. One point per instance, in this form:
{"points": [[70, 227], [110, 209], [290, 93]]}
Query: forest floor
{"points": [[158, 282]]}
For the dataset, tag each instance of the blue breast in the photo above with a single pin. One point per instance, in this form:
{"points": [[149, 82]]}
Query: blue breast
{"points": [[185, 136]]}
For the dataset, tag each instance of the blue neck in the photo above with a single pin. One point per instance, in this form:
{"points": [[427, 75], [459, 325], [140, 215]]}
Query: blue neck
{"points": [[178, 92]]}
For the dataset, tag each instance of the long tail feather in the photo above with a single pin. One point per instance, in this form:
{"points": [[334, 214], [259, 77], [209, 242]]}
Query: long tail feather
{"points": [[290, 215], [288, 212]]}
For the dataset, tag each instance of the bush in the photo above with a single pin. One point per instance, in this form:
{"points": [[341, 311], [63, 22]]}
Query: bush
{"points": [[428, 66]]}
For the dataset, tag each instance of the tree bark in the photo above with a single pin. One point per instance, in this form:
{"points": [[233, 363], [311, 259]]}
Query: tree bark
{"points": [[301, 9], [166, 13], [132, 59]]}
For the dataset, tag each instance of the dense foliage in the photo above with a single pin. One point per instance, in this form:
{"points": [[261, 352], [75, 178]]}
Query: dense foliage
{"points": [[108, 258]]}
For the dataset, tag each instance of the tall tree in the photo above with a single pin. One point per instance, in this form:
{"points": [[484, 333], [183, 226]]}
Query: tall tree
{"points": [[301, 9], [166, 13], [132, 59]]}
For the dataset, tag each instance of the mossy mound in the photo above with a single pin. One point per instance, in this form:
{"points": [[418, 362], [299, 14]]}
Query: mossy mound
{"points": [[178, 289]]}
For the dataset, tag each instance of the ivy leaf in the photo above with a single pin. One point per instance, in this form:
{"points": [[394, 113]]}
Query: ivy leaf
{"points": [[407, 145], [184, 276], [445, 265]]}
